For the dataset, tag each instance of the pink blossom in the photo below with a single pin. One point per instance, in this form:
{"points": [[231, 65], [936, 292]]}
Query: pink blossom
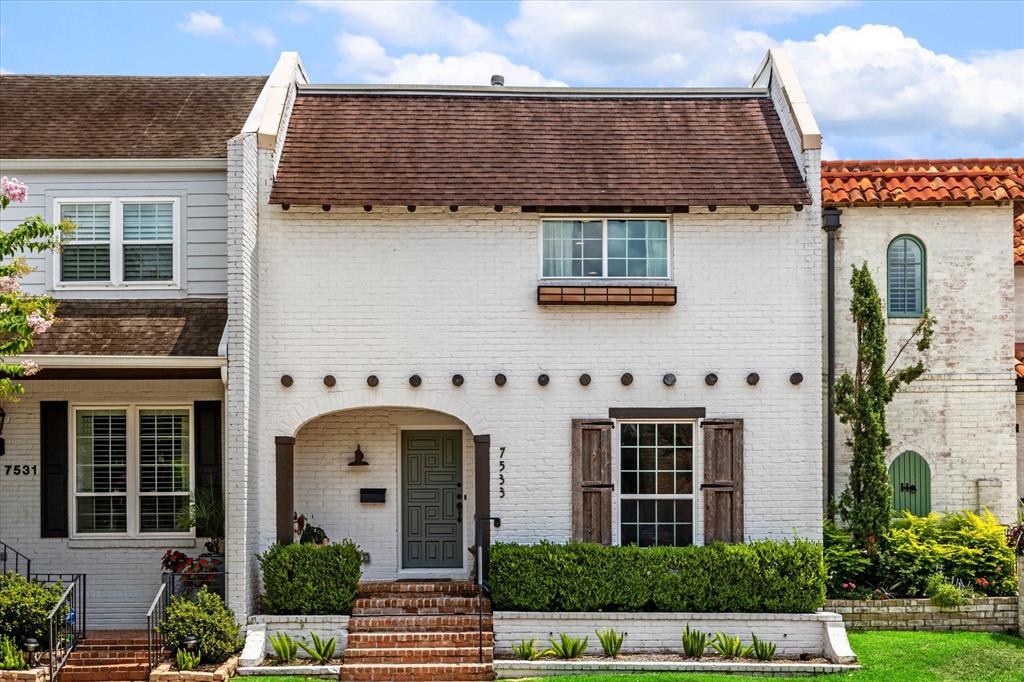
{"points": [[9, 285], [16, 191], [38, 323], [29, 368]]}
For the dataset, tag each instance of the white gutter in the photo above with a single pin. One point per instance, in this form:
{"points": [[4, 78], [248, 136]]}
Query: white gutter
{"points": [[124, 361], [115, 164]]}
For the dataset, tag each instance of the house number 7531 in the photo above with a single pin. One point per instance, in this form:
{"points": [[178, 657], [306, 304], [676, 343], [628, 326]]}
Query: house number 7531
{"points": [[501, 476], [20, 470]]}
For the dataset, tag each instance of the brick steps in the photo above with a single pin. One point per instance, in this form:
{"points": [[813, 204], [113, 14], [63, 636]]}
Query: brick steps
{"points": [[426, 672], [419, 632], [108, 658], [420, 654], [129, 672], [372, 640]]}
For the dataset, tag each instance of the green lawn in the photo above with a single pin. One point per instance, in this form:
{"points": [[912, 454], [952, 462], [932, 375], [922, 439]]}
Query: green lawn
{"points": [[895, 657]]}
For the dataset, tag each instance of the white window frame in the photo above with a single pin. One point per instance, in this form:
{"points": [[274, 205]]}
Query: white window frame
{"points": [[133, 467], [604, 247], [696, 535], [117, 244]]}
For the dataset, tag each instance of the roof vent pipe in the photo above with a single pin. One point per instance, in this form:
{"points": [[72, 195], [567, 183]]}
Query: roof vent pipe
{"points": [[497, 80]]}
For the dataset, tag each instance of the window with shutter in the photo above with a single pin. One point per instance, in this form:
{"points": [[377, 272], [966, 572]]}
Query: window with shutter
{"points": [[592, 485], [656, 483], [906, 267], [722, 488]]}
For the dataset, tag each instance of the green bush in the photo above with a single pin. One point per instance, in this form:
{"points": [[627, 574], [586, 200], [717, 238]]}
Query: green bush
{"points": [[847, 566], [24, 607], [202, 615], [310, 579], [962, 546], [946, 594], [11, 657], [763, 576]]}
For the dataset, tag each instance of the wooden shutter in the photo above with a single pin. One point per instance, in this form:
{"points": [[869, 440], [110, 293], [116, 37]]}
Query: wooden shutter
{"points": [[209, 452], [592, 485], [723, 480], [53, 441]]}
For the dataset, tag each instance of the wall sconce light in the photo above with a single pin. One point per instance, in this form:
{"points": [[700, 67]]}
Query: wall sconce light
{"points": [[190, 643], [360, 460], [3, 418]]}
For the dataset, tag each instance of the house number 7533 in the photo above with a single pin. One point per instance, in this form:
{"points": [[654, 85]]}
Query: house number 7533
{"points": [[20, 470]]}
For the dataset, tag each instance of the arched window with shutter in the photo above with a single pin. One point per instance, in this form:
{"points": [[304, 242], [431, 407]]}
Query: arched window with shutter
{"points": [[911, 481], [906, 266]]}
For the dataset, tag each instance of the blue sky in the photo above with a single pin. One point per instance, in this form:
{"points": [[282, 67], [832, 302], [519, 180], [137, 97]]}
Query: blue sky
{"points": [[885, 79]]}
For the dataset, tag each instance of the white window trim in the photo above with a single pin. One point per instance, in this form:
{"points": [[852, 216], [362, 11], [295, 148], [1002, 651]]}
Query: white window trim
{"points": [[697, 532], [604, 247], [133, 469], [117, 245]]}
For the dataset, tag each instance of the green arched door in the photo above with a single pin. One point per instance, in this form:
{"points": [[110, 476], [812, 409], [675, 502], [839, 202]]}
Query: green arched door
{"points": [[911, 481]]}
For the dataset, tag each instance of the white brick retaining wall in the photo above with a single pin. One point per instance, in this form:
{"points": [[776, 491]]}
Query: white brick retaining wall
{"points": [[794, 634], [299, 628]]}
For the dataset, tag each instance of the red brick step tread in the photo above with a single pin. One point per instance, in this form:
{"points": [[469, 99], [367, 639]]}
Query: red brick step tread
{"points": [[432, 623], [420, 606], [417, 672], [367, 640], [461, 654], [455, 588], [106, 673]]}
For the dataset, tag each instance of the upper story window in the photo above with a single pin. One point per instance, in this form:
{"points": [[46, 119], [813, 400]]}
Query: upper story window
{"points": [[906, 263], [119, 242], [605, 248]]}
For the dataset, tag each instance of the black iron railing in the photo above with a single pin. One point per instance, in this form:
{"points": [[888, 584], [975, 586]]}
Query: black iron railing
{"points": [[65, 624], [13, 560], [156, 642], [482, 558]]}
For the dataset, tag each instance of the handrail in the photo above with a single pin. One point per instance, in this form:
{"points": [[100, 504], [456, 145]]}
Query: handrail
{"points": [[19, 560], [483, 547], [155, 639], [63, 625]]}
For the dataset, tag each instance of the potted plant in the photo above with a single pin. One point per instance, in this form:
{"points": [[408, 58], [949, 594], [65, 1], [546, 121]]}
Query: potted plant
{"points": [[205, 513]]}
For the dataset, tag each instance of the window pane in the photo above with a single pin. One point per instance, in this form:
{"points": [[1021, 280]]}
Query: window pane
{"points": [[148, 263], [656, 460], [102, 514], [157, 514], [629, 434], [163, 451], [92, 221], [906, 277], [572, 248], [85, 263], [147, 222], [101, 451]]}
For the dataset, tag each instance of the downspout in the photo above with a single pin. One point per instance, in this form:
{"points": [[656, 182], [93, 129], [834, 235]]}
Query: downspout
{"points": [[831, 224]]}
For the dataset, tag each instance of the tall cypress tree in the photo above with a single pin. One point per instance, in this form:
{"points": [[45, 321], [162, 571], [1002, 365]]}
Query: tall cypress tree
{"points": [[865, 506]]}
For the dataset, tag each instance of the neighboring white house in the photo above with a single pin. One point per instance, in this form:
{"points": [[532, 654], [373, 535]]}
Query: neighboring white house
{"points": [[938, 234], [591, 313], [124, 421]]}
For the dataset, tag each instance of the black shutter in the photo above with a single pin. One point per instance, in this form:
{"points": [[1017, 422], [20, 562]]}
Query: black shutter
{"points": [[53, 440], [209, 451]]}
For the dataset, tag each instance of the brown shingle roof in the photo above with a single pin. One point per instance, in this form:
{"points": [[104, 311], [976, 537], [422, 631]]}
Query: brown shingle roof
{"points": [[138, 327], [441, 149], [107, 117], [921, 181]]}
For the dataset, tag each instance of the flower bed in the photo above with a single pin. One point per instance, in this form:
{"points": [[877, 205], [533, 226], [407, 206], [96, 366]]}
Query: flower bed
{"points": [[988, 614], [166, 673]]}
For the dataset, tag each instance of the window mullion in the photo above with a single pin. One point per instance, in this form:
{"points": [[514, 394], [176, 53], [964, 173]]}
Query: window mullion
{"points": [[604, 247], [116, 242]]}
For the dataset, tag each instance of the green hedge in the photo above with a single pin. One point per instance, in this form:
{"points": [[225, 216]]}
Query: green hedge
{"points": [[205, 617], [24, 607], [764, 576], [310, 579]]}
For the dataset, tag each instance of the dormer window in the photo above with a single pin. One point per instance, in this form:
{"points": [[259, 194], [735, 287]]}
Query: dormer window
{"points": [[119, 242], [605, 248]]}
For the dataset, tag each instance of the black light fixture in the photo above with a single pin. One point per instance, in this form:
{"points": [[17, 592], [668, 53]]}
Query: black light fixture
{"points": [[360, 458], [31, 644], [190, 643], [3, 418]]}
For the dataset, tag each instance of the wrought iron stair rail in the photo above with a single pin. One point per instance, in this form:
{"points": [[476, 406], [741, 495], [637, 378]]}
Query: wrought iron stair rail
{"points": [[66, 622], [11, 557], [482, 558], [176, 585], [155, 638]]}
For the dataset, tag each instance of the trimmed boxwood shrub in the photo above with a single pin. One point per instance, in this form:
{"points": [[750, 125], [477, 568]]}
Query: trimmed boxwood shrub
{"points": [[24, 607], [204, 616], [764, 576], [310, 579]]}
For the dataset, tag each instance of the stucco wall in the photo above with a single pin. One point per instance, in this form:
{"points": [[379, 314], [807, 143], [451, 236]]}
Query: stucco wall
{"points": [[960, 416], [203, 206], [122, 575], [394, 293]]}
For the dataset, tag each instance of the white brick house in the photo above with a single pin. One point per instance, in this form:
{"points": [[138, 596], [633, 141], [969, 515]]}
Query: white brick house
{"points": [[938, 235], [401, 281]]}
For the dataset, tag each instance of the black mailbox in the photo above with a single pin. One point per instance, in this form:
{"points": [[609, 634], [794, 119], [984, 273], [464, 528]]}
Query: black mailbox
{"points": [[372, 495]]}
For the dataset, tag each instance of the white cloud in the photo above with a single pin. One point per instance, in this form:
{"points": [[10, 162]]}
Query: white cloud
{"points": [[205, 24], [202, 23], [409, 23], [5, 72], [363, 59]]}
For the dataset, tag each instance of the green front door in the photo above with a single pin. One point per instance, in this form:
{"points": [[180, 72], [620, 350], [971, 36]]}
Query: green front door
{"points": [[911, 482], [432, 499]]}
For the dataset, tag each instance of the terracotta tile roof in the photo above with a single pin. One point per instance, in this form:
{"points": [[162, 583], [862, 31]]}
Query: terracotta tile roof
{"points": [[106, 117], [921, 181], [1018, 233], [476, 150], [138, 327]]}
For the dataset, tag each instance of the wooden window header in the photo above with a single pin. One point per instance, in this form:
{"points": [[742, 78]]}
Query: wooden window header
{"points": [[656, 412], [606, 295]]}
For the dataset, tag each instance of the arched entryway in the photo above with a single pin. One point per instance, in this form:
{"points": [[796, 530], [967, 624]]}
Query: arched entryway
{"points": [[911, 480], [407, 498]]}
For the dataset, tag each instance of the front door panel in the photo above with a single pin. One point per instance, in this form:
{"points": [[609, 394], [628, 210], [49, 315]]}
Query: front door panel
{"points": [[432, 499]]}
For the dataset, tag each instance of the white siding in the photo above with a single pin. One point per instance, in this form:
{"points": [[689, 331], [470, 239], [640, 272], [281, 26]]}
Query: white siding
{"points": [[203, 197]]}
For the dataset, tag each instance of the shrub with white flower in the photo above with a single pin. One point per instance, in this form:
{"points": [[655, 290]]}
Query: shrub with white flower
{"points": [[22, 316]]}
